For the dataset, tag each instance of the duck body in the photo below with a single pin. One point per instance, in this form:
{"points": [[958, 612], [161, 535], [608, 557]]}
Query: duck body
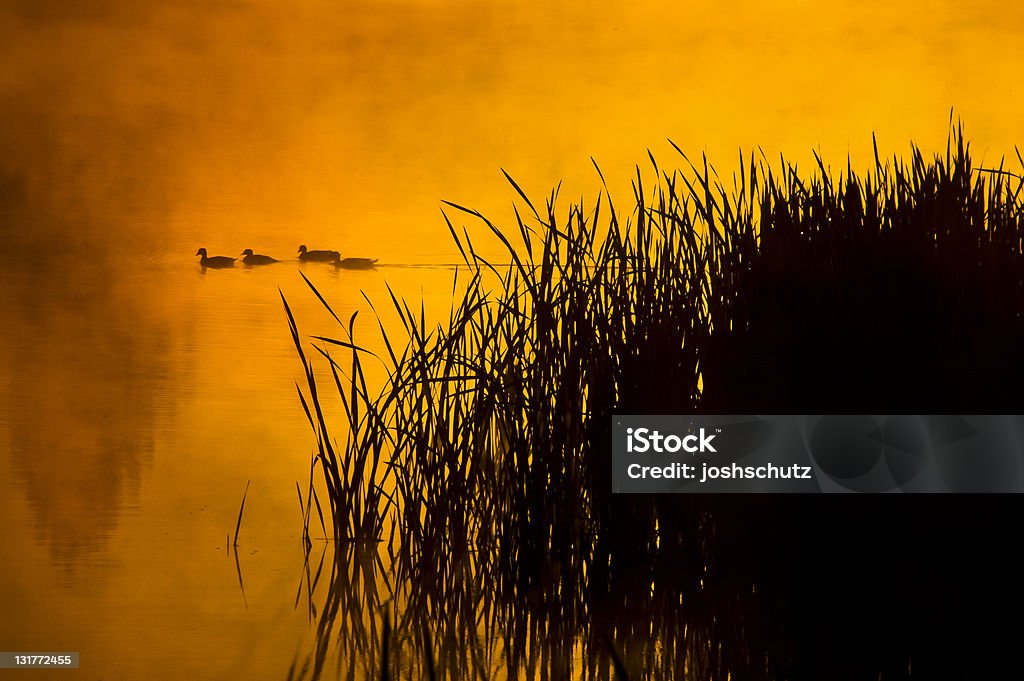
{"points": [[317, 256], [251, 258], [356, 263], [216, 262]]}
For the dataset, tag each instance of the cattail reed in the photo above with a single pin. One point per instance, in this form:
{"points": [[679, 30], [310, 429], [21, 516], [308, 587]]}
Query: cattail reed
{"points": [[487, 454]]}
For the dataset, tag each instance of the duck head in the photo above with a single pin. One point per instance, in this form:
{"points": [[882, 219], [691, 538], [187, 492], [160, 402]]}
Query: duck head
{"points": [[302, 248], [202, 252], [247, 251]]}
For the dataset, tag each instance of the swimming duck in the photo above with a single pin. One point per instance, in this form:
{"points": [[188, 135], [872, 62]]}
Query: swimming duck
{"points": [[256, 259], [317, 256], [356, 263], [217, 261]]}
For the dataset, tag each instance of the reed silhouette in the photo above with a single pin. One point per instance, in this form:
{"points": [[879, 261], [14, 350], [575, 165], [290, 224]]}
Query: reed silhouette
{"points": [[483, 468]]}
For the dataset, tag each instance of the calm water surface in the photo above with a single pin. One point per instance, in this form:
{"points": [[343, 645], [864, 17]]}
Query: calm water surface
{"points": [[129, 433], [139, 395]]}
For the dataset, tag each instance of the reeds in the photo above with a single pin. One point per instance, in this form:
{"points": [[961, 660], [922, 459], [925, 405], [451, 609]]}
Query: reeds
{"points": [[488, 452], [353, 475]]}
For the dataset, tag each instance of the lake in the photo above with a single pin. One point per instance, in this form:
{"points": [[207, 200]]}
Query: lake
{"points": [[130, 431], [140, 395]]}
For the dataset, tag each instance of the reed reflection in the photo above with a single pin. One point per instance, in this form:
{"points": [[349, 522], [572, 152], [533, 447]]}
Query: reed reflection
{"points": [[454, 625]]}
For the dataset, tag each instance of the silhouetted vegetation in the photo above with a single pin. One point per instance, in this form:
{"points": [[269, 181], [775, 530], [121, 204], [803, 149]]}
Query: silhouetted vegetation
{"points": [[483, 468]]}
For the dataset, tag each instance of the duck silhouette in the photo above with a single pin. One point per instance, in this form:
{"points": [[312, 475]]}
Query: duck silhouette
{"points": [[355, 263], [317, 256], [256, 259], [216, 262]]}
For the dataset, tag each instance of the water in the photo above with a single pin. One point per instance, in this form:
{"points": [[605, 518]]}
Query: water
{"points": [[130, 431], [139, 396]]}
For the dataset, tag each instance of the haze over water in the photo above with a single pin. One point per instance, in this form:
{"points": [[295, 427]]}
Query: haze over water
{"points": [[138, 395]]}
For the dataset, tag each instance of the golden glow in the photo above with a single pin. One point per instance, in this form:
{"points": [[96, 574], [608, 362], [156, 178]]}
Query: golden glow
{"points": [[137, 394], [348, 122]]}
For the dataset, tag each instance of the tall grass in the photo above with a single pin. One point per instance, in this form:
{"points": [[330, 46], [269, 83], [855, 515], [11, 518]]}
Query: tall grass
{"points": [[487, 455], [352, 472]]}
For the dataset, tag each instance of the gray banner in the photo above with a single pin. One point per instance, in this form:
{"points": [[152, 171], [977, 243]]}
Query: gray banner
{"points": [[805, 454], [38, 660]]}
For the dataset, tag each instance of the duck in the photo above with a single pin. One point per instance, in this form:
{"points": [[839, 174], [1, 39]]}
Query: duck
{"points": [[256, 259], [317, 256], [216, 262], [355, 263]]}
